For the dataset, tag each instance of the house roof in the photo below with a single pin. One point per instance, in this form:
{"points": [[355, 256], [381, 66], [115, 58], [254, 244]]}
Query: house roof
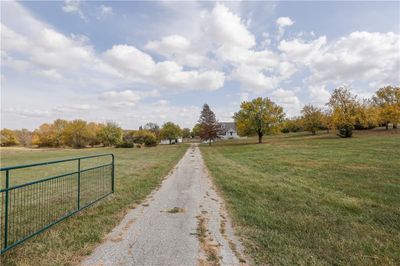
{"points": [[228, 125]]}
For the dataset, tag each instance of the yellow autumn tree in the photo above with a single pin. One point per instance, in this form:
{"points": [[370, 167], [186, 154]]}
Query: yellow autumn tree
{"points": [[8, 137], [343, 107], [94, 130], [367, 115], [57, 132], [43, 136], [76, 134], [387, 99], [110, 134], [312, 118], [328, 120], [170, 131], [294, 124], [259, 117]]}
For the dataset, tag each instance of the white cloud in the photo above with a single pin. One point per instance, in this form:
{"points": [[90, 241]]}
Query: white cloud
{"points": [[71, 6], [286, 70], [177, 48], [256, 70], [121, 98], [360, 56], [282, 23], [229, 34], [74, 6], [106, 10], [170, 74], [53, 49], [25, 113], [200, 48], [50, 73], [16, 64], [45, 48], [11, 41], [319, 95], [258, 78], [130, 60], [298, 50], [45, 55], [169, 45], [288, 100], [252, 79], [75, 108], [139, 65], [55, 55], [228, 29]]}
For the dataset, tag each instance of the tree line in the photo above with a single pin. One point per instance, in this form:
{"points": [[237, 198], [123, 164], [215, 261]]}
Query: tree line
{"points": [[343, 113], [80, 134]]}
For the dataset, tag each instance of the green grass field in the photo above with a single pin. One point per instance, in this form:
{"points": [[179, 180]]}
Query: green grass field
{"points": [[138, 172], [313, 200]]}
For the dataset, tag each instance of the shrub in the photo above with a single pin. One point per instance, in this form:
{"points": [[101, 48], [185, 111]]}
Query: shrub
{"points": [[292, 125], [150, 140], [346, 131], [285, 130], [145, 137], [125, 144]]}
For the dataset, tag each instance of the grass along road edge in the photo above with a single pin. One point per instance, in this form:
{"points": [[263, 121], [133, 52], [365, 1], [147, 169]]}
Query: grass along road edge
{"points": [[312, 200]]}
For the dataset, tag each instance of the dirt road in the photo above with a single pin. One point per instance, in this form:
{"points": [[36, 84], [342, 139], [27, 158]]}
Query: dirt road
{"points": [[181, 223]]}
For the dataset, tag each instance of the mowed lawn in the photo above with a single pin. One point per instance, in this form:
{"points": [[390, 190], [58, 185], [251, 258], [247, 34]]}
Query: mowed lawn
{"points": [[137, 173], [313, 200]]}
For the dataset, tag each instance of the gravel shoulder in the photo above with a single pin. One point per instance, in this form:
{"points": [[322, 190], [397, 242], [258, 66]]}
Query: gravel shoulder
{"points": [[182, 223]]}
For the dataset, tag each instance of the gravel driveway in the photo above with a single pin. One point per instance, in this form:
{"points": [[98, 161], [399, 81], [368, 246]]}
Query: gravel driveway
{"points": [[181, 223]]}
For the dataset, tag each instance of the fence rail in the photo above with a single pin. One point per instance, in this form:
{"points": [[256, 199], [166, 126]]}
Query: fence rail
{"points": [[30, 208]]}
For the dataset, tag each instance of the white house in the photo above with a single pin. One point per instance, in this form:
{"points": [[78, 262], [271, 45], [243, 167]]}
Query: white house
{"points": [[228, 130], [174, 141]]}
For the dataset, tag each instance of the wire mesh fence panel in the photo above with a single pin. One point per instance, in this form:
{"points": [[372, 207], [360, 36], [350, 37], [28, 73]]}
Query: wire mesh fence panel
{"points": [[28, 209], [95, 183]]}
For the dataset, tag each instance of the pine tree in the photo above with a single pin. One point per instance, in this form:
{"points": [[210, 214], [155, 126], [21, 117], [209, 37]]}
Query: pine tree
{"points": [[209, 126]]}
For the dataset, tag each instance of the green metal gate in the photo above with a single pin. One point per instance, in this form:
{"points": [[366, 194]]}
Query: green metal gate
{"points": [[30, 208]]}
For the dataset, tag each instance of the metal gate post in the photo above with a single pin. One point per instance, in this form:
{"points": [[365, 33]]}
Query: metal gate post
{"points": [[6, 210], [112, 174], [79, 184]]}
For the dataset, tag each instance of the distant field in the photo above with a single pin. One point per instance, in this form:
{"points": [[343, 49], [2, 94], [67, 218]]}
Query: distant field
{"points": [[319, 200], [138, 172]]}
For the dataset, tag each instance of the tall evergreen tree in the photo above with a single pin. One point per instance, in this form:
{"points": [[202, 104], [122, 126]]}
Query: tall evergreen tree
{"points": [[209, 126]]}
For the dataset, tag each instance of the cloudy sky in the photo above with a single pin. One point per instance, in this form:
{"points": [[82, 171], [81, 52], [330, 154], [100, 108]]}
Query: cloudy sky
{"points": [[135, 62]]}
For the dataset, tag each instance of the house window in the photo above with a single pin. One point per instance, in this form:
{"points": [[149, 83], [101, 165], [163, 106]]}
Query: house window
{"points": [[231, 133]]}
